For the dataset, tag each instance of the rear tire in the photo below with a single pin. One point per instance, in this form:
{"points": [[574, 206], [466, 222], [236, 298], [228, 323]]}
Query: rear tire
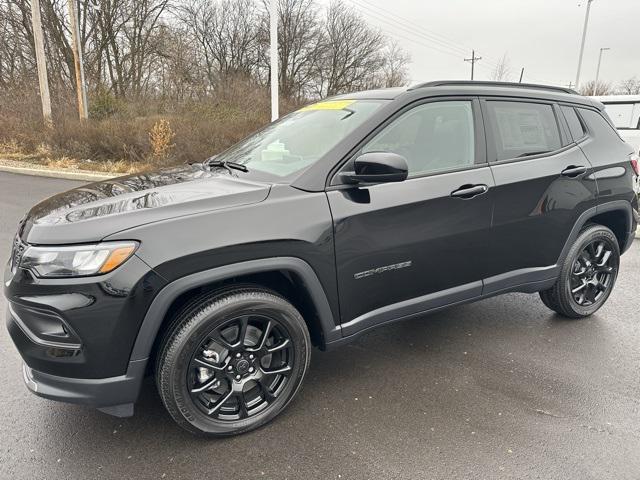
{"points": [[232, 361], [587, 275]]}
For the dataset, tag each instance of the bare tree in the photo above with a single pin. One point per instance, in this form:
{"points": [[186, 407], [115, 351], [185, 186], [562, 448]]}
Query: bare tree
{"points": [[184, 48], [17, 18], [300, 45], [394, 71], [590, 88], [224, 37], [502, 71], [16, 56], [631, 86], [353, 53]]}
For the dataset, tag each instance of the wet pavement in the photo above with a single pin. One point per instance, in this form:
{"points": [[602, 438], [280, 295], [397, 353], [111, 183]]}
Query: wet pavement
{"points": [[502, 388]]}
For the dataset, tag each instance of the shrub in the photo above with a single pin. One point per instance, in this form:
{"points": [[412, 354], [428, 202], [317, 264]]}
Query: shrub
{"points": [[161, 137], [134, 134], [103, 104]]}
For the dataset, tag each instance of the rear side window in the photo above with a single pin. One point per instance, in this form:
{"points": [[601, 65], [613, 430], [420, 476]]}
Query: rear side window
{"points": [[522, 129], [575, 125], [601, 128]]}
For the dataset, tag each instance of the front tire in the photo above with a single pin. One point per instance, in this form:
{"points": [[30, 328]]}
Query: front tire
{"points": [[587, 276], [232, 361]]}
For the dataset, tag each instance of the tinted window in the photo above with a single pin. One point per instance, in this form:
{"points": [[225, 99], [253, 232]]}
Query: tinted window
{"points": [[522, 129], [600, 128], [575, 125], [432, 137]]}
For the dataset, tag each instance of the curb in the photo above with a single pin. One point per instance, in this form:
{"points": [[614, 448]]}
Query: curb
{"points": [[67, 175]]}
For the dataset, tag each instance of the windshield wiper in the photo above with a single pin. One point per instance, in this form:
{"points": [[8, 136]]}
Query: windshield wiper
{"points": [[349, 113], [212, 162]]}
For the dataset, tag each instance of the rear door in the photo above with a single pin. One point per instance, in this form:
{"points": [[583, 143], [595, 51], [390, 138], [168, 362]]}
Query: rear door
{"points": [[405, 247], [543, 184]]}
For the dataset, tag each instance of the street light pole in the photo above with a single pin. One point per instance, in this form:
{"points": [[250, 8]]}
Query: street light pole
{"points": [[584, 37], [273, 30], [595, 85]]}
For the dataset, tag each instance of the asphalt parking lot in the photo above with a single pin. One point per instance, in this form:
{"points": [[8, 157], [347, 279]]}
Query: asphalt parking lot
{"points": [[499, 389]]}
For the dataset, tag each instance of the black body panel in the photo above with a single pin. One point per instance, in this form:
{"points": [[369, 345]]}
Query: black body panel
{"points": [[363, 255], [415, 221], [104, 313]]}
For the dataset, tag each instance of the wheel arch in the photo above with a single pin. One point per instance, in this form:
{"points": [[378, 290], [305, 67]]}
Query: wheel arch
{"points": [[615, 220], [291, 277], [616, 215]]}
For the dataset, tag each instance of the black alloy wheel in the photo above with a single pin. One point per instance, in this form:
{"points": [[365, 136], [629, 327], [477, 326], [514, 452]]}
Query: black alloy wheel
{"points": [[588, 274], [231, 361], [241, 367], [593, 273]]}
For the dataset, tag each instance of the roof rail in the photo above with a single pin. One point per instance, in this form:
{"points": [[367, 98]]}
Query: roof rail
{"points": [[442, 83]]}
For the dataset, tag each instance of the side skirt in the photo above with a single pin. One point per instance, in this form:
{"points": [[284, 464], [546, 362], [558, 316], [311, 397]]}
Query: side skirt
{"points": [[529, 280]]}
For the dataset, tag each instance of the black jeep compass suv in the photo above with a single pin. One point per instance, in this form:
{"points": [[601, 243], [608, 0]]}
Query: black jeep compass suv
{"points": [[350, 213]]}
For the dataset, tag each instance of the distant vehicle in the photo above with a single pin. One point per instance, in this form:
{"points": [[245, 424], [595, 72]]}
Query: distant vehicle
{"points": [[624, 110], [372, 207]]}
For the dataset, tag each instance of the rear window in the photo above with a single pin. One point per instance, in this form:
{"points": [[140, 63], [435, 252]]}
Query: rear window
{"points": [[575, 125], [523, 129], [600, 128]]}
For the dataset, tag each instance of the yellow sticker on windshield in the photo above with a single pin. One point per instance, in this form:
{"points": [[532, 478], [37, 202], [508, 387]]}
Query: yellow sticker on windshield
{"points": [[329, 105]]}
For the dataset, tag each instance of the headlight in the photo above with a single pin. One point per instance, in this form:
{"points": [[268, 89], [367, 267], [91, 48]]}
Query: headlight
{"points": [[77, 260]]}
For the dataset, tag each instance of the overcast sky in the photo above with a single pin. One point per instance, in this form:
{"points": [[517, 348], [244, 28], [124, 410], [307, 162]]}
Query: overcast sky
{"points": [[541, 35]]}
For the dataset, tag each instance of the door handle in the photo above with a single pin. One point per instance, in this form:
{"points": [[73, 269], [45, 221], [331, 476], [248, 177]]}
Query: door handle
{"points": [[470, 191], [572, 171]]}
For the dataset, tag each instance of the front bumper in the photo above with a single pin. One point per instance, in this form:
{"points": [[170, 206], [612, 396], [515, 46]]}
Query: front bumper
{"points": [[114, 395], [81, 327], [75, 336]]}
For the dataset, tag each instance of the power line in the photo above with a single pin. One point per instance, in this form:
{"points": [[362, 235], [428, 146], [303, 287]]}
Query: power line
{"points": [[420, 36], [411, 27], [411, 35], [391, 22], [405, 25]]}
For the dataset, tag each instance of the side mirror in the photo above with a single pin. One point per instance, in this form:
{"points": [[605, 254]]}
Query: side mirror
{"points": [[377, 167]]}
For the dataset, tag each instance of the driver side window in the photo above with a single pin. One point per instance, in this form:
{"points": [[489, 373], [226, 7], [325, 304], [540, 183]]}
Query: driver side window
{"points": [[432, 137]]}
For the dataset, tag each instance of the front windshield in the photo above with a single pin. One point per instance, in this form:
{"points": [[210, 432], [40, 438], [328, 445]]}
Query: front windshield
{"points": [[301, 138]]}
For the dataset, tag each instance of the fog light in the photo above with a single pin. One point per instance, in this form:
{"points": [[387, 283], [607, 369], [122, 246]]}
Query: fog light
{"points": [[62, 352]]}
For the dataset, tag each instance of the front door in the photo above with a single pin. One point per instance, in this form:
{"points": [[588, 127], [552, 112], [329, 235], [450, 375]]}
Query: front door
{"points": [[403, 248]]}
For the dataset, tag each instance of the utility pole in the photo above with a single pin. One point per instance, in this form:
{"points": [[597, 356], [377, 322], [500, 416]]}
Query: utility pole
{"points": [[38, 42], [77, 60], [595, 85], [521, 75], [273, 30], [473, 61], [584, 37]]}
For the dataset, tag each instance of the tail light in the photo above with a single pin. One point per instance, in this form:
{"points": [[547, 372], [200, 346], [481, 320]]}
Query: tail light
{"points": [[635, 163]]}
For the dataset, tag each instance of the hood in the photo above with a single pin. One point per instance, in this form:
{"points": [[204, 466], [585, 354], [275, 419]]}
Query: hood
{"points": [[94, 211]]}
